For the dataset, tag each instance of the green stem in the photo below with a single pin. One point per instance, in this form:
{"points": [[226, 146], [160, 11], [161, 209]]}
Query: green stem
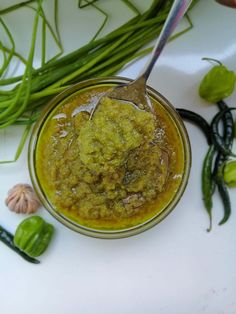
{"points": [[49, 92], [103, 23], [90, 64], [4, 58], [83, 51], [111, 70], [11, 52], [20, 145], [55, 36], [56, 22], [43, 41], [132, 25], [58, 37], [16, 54], [131, 6], [16, 6], [25, 82], [81, 6], [127, 49], [211, 59]]}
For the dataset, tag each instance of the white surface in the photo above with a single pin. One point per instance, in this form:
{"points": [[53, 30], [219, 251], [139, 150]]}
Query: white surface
{"points": [[174, 268]]}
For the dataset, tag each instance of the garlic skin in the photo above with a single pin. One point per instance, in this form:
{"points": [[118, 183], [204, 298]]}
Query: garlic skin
{"points": [[22, 199]]}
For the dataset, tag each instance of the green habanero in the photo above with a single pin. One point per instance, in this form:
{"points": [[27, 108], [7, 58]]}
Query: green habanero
{"points": [[217, 84]]}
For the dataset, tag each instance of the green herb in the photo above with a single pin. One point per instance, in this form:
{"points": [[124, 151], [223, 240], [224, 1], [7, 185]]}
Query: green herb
{"points": [[55, 35], [23, 139], [217, 84], [15, 53], [77, 65], [7, 238], [103, 23], [16, 7], [131, 6], [87, 3], [33, 236], [8, 59]]}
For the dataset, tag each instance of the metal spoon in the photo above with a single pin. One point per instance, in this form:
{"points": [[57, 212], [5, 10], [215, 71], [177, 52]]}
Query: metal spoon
{"points": [[135, 92]]}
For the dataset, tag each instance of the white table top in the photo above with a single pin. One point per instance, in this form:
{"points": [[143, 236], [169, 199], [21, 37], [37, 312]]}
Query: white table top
{"points": [[174, 268]]}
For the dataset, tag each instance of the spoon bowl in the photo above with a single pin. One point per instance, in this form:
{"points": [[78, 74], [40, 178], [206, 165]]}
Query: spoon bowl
{"points": [[135, 92]]}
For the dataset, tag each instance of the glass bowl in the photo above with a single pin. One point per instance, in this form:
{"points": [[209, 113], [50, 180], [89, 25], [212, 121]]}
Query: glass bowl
{"points": [[101, 232]]}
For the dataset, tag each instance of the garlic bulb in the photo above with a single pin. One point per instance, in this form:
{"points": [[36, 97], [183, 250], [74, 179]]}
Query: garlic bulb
{"points": [[22, 199]]}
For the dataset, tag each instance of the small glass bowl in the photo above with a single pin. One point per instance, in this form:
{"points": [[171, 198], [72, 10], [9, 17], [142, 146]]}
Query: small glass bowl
{"points": [[120, 233]]}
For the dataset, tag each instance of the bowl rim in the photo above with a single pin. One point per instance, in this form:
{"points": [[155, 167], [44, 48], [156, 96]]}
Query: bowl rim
{"points": [[120, 233]]}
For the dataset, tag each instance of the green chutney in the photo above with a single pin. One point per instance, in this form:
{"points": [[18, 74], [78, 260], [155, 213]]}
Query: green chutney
{"points": [[113, 171]]}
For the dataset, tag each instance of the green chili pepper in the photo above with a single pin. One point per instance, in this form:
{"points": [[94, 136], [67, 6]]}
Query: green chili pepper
{"points": [[235, 128], [196, 119], [223, 143], [230, 173], [33, 236], [228, 130], [223, 191], [7, 238], [217, 84], [208, 182]]}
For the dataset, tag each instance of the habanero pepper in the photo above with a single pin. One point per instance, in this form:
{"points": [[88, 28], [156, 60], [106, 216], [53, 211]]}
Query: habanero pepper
{"points": [[33, 236], [230, 173], [218, 83]]}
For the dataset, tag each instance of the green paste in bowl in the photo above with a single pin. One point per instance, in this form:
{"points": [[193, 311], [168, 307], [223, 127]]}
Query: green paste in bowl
{"points": [[111, 172]]}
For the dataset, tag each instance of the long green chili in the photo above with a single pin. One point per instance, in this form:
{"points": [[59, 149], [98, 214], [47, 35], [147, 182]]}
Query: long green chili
{"points": [[208, 182], [8, 239], [223, 191], [217, 139], [198, 120], [228, 134]]}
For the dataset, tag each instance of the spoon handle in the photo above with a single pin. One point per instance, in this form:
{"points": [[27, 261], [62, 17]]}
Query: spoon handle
{"points": [[176, 13]]}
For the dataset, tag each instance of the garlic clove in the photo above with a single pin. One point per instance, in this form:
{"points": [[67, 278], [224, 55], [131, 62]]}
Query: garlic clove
{"points": [[22, 199]]}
